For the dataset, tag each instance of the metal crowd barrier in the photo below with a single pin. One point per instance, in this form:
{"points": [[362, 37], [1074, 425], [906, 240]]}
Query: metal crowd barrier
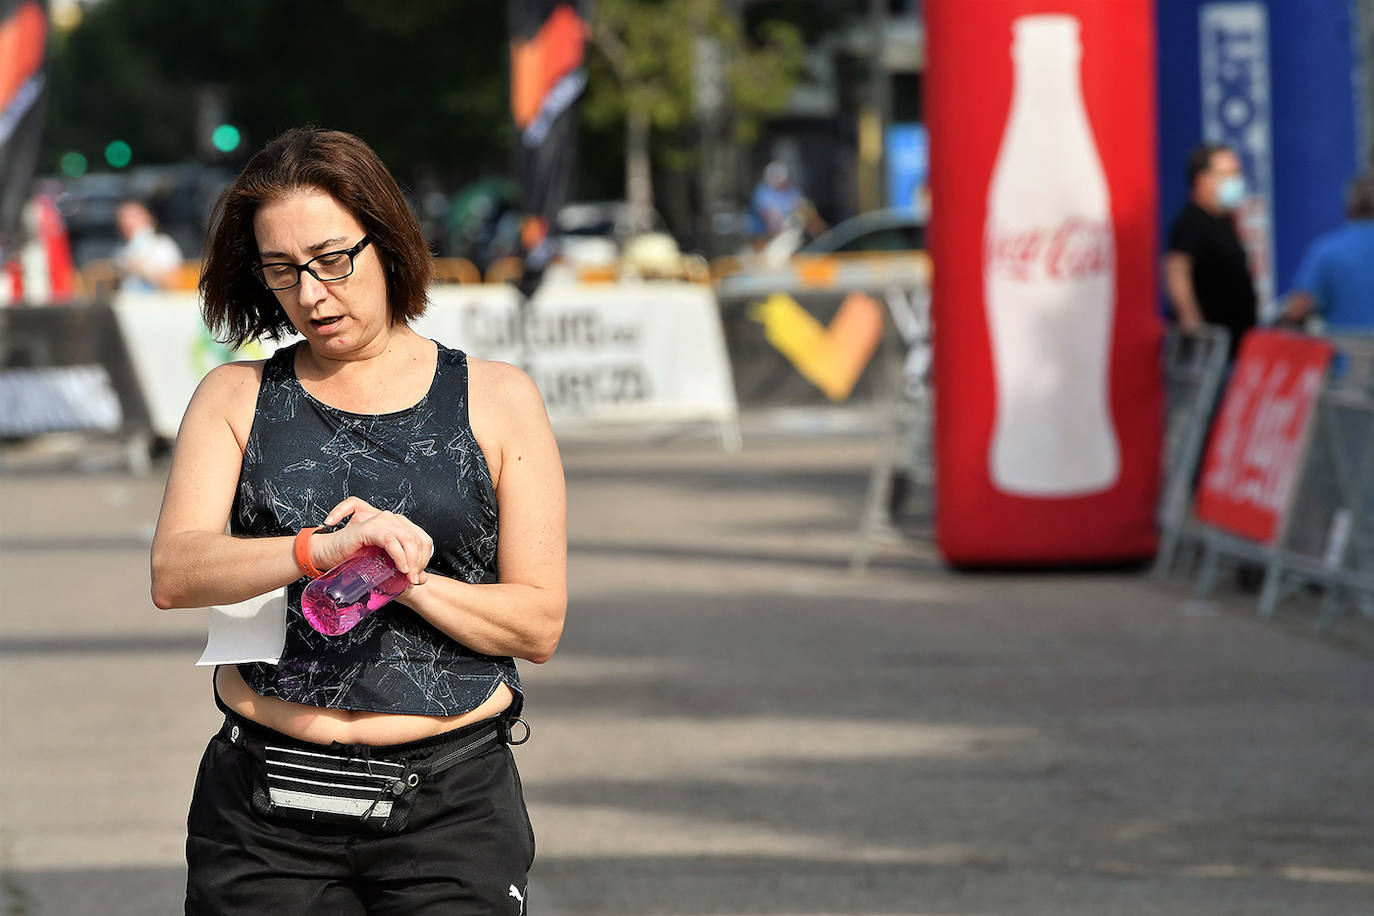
{"points": [[743, 275], [905, 448], [1328, 539], [1194, 366]]}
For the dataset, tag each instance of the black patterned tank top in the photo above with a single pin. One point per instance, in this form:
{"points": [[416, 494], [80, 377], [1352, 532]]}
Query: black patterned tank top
{"points": [[304, 457]]}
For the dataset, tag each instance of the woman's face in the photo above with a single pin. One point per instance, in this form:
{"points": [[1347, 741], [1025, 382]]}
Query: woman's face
{"points": [[339, 318]]}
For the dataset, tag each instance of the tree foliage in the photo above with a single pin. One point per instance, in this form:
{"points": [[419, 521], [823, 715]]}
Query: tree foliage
{"points": [[424, 83], [646, 66]]}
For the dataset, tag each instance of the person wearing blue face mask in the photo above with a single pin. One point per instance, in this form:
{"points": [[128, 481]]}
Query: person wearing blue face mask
{"points": [[1206, 271]]}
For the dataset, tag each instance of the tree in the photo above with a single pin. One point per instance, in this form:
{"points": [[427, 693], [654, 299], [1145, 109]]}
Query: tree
{"points": [[424, 83], [651, 76]]}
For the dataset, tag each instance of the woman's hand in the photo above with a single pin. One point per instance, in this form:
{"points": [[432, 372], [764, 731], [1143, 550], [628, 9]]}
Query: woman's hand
{"points": [[409, 546]]}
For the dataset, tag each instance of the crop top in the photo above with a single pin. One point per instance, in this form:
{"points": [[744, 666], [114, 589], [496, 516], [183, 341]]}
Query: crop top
{"points": [[303, 457]]}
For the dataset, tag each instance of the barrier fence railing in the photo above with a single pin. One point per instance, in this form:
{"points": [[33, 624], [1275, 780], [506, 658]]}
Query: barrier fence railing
{"points": [[633, 359], [903, 465], [1194, 365], [1326, 539]]}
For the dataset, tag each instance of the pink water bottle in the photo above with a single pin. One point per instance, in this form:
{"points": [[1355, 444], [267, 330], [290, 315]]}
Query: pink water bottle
{"points": [[337, 601]]}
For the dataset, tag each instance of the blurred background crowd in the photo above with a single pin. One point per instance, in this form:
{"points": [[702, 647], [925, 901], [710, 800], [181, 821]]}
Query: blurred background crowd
{"points": [[718, 127], [162, 105]]}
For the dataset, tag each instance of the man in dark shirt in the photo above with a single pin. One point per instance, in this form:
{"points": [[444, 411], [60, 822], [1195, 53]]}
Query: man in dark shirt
{"points": [[1206, 272]]}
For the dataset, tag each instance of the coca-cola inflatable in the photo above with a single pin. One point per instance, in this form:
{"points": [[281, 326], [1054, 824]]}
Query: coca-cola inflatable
{"points": [[1049, 396]]}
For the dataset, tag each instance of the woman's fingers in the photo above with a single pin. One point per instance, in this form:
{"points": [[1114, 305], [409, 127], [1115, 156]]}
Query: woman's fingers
{"points": [[354, 506], [400, 556], [409, 546]]}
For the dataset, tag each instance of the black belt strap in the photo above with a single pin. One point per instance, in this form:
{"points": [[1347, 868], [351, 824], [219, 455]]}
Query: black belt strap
{"points": [[501, 730], [318, 783]]}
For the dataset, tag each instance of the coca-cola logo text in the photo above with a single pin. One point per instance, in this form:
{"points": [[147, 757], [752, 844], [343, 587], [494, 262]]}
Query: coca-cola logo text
{"points": [[1074, 249]]}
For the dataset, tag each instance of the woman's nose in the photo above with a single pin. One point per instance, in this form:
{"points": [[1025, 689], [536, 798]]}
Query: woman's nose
{"points": [[310, 289]]}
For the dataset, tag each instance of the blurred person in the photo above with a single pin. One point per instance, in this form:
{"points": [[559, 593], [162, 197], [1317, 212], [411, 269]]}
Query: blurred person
{"points": [[149, 258], [382, 437], [778, 208], [42, 272], [1206, 271], [774, 201], [1335, 279]]}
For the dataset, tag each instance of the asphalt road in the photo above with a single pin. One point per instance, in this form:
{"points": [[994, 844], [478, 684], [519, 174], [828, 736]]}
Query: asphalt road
{"points": [[736, 724]]}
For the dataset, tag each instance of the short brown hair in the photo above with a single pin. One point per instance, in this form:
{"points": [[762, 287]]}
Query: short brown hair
{"points": [[237, 307], [1200, 159]]}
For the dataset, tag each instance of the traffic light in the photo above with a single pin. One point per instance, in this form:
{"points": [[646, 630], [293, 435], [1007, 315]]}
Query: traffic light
{"points": [[73, 164], [118, 154], [226, 138]]}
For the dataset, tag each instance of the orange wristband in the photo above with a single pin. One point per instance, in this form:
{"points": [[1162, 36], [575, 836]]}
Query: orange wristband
{"points": [[302, 548]]}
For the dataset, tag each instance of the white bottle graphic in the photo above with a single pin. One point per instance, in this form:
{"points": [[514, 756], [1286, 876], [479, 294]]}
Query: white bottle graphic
{"points": [[1049, 278]]}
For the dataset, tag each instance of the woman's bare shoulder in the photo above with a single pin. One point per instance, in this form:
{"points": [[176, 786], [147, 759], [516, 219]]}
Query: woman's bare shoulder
{"points": [[227, 393], [232, 381], [493, 381], [506, 411]]}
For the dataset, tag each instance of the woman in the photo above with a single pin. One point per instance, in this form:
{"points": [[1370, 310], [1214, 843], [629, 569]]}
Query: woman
{"points": [[368, 772]]}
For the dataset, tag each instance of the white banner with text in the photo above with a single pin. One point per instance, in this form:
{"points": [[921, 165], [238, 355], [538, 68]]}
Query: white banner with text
{"points": [[639, 353]]}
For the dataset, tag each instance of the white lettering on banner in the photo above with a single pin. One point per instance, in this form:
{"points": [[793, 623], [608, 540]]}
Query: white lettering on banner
{"points": [[599, 353], [1255, 463], [1233, 45], [555, 103], [20, 104], [58, 398]]}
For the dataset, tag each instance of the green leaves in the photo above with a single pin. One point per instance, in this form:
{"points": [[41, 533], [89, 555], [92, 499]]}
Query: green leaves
{"points": [[646, 57], [425, 83]]}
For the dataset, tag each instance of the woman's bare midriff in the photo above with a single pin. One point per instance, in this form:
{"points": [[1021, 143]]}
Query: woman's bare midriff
{"points": [[325, 726]]}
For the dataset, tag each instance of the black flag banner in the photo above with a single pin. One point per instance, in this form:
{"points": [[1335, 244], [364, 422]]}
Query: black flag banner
{"points": [[547, 76], [23, 43]]}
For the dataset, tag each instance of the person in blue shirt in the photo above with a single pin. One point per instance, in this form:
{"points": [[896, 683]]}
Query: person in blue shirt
{"points": [[1335, 279], [774, 201]]}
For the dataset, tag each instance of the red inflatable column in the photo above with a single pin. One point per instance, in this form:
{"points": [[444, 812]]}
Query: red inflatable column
{"points": [[1048, 384]]}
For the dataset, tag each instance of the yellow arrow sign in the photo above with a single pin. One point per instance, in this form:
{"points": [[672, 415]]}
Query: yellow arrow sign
{"points": [[831, 358]]}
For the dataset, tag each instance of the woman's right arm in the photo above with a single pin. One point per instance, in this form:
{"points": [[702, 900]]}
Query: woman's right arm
{"points": [[195, 563]]}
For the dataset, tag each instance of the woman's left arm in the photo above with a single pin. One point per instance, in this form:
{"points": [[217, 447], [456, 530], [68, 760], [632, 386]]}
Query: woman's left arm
{"points": [[522, 614]]}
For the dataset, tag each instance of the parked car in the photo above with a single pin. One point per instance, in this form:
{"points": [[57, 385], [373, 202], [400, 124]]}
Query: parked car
{"points": [[878, 230], [870, 251]]}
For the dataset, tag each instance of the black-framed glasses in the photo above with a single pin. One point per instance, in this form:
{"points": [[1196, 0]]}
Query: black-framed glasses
{"points": [[327, 267]]}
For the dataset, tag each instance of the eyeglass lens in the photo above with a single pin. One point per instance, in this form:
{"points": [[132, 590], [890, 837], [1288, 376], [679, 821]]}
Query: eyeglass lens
{"points": [[334, 265]]}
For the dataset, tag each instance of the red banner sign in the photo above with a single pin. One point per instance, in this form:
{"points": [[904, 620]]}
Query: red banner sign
{"points": [[1260, 436]]}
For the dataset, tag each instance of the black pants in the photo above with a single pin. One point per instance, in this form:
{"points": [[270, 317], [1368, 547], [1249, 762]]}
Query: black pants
{"points": [[466, 847]]}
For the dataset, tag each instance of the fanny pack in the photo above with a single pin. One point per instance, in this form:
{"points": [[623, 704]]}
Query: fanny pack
{"points": [[359, 785]]}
